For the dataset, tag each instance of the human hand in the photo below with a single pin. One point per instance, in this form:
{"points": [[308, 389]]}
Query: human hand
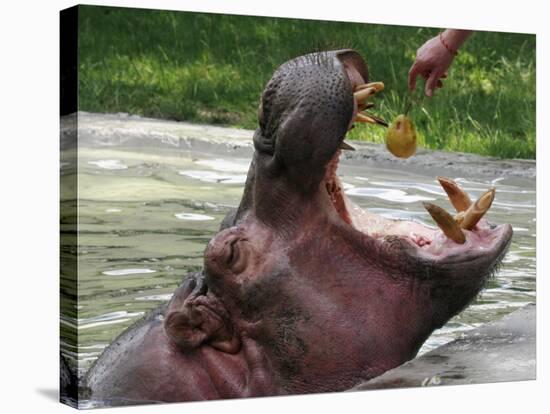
{"points": [[432, 61], [434, 58]]}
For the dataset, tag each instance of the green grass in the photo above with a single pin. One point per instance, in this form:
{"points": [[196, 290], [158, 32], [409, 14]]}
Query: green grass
{"points": [[211, 68]]}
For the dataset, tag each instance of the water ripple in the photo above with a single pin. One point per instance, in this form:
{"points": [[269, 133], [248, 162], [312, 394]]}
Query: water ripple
{"points": [[99, 320], [109, 164], [214, 177], [220, 164], [193, 217], [123, 272], [164, 297]]}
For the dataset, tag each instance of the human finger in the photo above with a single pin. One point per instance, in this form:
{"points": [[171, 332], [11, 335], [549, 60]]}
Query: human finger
{"points": [[431, 83]]}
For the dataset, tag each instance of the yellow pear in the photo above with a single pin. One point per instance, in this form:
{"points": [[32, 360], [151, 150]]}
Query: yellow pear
{"points": [[401, 137]]}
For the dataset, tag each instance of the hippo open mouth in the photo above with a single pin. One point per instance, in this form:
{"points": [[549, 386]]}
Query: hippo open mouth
{"points": [[466, 237]]}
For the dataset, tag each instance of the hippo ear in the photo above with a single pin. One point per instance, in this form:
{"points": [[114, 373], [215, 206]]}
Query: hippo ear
{"points": [[350, 57], [198, 318]]}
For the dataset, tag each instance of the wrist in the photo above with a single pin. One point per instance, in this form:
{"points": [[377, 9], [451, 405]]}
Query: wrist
{"points": [[453, 51], [454, 38]]}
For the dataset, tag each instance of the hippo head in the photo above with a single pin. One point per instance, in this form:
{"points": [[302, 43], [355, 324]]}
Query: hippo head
{"points": [[331, 293]]}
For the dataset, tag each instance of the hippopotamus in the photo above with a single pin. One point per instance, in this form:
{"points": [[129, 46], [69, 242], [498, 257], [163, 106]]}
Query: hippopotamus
{"points": [[302, 291]]}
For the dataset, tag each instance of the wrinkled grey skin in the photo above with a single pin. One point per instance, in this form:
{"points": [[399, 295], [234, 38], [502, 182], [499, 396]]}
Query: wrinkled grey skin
{"points": [[292, 298]]}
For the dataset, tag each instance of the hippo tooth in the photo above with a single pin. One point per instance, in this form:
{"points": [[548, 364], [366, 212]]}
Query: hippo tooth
{"points": [[345, 146], [365, 105], [360, 87], [379, 121], [446, 223], [364, 118], [363, 94], [459, 218], [378, 86], [457, 196], [478, 209]]}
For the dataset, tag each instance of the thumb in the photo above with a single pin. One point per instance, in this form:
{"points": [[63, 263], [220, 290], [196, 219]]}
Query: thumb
{"points": [[431, 83]]}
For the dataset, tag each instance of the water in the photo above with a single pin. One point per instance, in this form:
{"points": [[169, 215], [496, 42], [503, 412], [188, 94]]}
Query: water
{"points": [[146, 215]]}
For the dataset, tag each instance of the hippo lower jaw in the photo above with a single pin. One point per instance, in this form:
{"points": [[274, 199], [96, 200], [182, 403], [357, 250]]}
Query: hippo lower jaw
{"points": [[483, 243]]}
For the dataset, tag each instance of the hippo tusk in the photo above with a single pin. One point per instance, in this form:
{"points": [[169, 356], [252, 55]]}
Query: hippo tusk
{"points": [[370, 119], [478, 209], [446, 223], [379, 121], [377, 86], [457, 196], [459, 217], [365, 105], [366, 90], [345, 146], [363, 94], [360, 117]]}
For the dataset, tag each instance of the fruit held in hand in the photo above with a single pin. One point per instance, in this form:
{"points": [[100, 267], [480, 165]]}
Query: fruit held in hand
{"points": [[401, 137]]}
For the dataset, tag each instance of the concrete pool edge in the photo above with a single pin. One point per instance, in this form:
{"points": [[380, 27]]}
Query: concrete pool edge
{"points": [[113, 130], [499, 351]]}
